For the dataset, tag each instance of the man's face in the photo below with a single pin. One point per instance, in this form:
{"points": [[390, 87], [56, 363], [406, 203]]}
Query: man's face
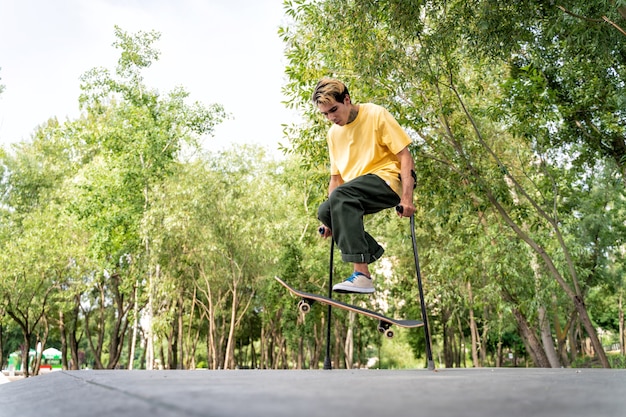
{"points": [[337, 112]]}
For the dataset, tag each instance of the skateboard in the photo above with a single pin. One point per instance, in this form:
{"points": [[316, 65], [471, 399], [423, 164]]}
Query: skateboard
{"points": [[384, 322]]}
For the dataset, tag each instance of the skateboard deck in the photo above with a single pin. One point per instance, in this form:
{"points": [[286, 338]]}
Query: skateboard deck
{"points": [[384, 322]]}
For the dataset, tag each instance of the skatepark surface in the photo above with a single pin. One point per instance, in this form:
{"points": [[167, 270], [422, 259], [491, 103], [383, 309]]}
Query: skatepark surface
{"points": [[483, 392]]}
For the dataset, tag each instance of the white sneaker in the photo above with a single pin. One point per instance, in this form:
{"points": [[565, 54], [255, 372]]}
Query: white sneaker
{"points": [[358, 283]]}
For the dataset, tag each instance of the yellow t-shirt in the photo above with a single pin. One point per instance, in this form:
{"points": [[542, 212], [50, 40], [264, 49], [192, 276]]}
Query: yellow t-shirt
{"points": [[368, 145]]}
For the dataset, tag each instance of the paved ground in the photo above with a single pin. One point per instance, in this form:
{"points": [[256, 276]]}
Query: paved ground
{"points": [[343, 393]]}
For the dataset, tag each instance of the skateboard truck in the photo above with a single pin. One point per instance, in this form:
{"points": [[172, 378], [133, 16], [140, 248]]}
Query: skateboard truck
{"points": [[304, 305], [385, 328]]}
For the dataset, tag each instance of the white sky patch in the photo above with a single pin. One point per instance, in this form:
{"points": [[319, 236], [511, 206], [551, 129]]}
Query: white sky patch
{"points": [[220, 51]]}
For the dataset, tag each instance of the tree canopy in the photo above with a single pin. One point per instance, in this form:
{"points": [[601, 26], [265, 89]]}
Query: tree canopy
{"points": [[126, 244]]}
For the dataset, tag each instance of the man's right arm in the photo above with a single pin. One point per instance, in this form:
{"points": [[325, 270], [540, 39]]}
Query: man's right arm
{"points": [[335, 181]]}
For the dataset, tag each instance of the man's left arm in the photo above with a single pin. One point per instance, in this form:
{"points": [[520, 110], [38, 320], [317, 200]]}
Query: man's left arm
{"points": [[407, 172]]}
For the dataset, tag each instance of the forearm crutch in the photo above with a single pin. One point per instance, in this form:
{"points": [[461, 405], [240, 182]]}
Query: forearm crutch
{"points": [[429, 353]]}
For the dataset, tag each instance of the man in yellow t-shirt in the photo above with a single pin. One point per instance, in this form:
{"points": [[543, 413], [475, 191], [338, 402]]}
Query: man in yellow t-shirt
{"points": [[371, 169]]}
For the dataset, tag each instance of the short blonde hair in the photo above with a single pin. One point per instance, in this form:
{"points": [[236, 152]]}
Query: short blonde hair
{"points": [[328, 89]]}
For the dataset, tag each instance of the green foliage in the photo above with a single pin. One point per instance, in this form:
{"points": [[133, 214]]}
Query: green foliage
{"points": [[515, 110], [99, 173], [395, 354], [618, 361], [506, 114]]}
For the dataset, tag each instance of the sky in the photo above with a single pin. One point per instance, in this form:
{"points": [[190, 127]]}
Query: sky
{"points": [[220, 51]]}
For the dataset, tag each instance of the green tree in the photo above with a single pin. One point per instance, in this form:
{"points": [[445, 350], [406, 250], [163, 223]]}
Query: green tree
{"points": [[99, 171], [134, 138], [37, 236], [426, 62]]}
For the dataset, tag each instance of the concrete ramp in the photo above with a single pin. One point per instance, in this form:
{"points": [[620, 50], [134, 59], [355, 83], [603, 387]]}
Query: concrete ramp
{"points": [[501, 392]]}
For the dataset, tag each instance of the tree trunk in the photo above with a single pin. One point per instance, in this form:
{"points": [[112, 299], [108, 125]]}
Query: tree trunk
{"points": [[192, 344], [337, 345], [118, 330], [23, 322], [622, 336], [253, 358], [222, 342], [300, 354], [41, 344], [144, 354], [100, 327], [562, 333], [546, 338], [459, 351], [63, 335], [318, 344], [180, 333], [534, 348], [544, 323], [230, 343], [473, 327], [484, 337], [212, 356], [263, 350], [1, 344], [73, 340], [150, 312], [133, 340], [575, 348], [448, 339], [25, 355], [349, 345], [172, 348]]}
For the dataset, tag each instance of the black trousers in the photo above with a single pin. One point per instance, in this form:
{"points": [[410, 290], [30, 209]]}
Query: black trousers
{"points": [[344, 210]]}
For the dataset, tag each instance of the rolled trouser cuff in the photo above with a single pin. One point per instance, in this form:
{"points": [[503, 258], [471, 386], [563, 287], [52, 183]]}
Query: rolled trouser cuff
{"points": [[363, 258]]}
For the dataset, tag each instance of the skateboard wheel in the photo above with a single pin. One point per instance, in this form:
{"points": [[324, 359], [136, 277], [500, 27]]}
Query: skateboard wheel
{"points": [[385, 328], [304, 306]]}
